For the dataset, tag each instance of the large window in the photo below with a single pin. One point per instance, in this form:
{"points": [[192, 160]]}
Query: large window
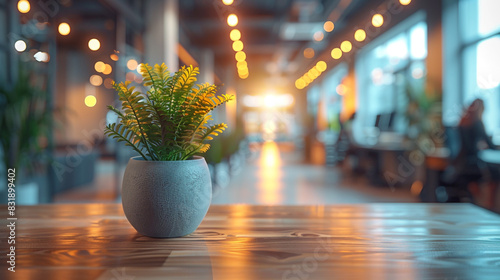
{"points": [[332, 89], [386, 67], [480, 31]]}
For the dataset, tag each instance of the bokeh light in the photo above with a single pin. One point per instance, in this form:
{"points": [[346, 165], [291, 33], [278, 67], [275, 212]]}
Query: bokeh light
{"points": [[232, 20], [318, 36], [336, 53], [360, 35], [90, 101], [377, 20], [346, 46], [96, 80], [132, 64], [240, 56], [94, 44], [64, 28], [237, 46], [235, 35], [309, 53], [107, 69], [23, 6], [20, 45], [99, 66], [321, 66], [328, 26]]}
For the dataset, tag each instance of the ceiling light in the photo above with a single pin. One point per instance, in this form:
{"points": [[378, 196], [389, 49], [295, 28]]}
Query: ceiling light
{"points": [[42, 57], [240, 56], [328, 26], [99, 66], [377, 20], [309, 53], [107, 69], [405, 2], [227, 2], [336, 53], [300, 83], [321, 66], [90, 101], [360, 35], [346, 46], [20, 45], [241, 64], [23, 6], [235, 35], [132, 64], [64, 28], [94, 44], [237, 46], [96, 80], [232, 20], [318, 36]]}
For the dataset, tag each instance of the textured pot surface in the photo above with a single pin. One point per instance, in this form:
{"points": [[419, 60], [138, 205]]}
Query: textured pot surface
{"points": [[166, 198]]}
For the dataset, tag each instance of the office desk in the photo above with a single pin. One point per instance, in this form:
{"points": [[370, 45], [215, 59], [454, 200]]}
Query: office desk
{"points": [[387, 159], [490, 157], [364, 241]]}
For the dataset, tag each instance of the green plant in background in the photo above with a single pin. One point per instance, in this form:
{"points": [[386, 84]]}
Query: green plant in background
{"points": [[170, 121], [423, 113], [24, 121]]}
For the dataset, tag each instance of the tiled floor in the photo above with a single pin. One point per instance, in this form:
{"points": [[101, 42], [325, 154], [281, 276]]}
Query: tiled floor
{"points": [[275, 174]]}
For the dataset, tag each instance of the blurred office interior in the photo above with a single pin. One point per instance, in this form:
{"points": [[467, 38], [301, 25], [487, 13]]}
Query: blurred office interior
{"points": [[337, 101]]}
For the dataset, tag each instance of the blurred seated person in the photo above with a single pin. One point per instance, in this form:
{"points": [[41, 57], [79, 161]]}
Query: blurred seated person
{"points": [[467, 163]]}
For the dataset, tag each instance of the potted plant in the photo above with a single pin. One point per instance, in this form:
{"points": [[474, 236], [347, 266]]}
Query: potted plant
{"points": [[167, 189], [25, 122]]}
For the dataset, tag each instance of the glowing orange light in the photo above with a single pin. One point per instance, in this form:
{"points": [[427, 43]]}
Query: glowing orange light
{"points": [[235, 35], [360, 35], [328, 26], [309, 53], [232, 20], [270, 169], [132, 64], [99, 66], [321, 66], [241, 64], [377, 20], [94, 44], [336, 53], [107, 69], [346, 46], [240, 56], [237, 46], [405, 2], [90, 101], [23, 6], [96, 80], [300, 83], [64, 28]]}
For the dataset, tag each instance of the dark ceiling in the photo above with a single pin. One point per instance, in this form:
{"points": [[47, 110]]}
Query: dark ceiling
{"points": [[275, 32]]}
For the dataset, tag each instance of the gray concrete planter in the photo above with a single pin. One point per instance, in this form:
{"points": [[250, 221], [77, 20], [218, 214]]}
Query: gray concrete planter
{"points": [[166, 198]]}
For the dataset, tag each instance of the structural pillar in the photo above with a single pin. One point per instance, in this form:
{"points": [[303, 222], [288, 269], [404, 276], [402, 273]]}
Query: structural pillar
{"points": [[162, 33]]}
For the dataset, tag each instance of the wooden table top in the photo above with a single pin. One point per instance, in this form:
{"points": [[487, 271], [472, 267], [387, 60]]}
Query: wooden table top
{"points": [[363, 241]]}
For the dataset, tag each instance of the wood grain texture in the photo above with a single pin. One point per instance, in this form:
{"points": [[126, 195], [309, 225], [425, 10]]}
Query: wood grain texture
{"points": [[366, 241]]}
